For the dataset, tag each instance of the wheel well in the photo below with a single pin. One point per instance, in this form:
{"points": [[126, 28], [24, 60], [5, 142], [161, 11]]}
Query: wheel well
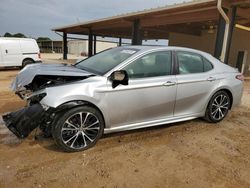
{"points": [[28, 59], [230, 95], [94, 106], [72, 104]]}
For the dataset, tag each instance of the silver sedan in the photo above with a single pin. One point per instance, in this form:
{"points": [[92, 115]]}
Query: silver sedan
{"points": [[123, 88]]}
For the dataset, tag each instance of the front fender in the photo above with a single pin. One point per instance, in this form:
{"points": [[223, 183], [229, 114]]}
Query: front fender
{"points": [[82, 91], [87, 93], [60, 100]]}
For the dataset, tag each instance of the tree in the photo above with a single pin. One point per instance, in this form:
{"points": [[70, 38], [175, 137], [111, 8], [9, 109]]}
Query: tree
{"points": [[7, 35], [18, 35]]}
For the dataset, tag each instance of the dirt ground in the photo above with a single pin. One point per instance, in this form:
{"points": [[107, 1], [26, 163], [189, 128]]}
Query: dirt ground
{"points": [[188, 154]]}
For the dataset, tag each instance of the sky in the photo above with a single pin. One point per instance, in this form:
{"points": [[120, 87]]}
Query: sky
{"points": [[36, 18]]}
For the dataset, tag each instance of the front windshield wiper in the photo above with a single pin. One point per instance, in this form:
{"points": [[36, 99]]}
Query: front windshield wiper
{"points": [[88, 70]]}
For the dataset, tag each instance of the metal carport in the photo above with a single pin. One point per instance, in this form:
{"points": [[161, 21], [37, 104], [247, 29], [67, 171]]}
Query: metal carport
{"points": [[188, 18]]}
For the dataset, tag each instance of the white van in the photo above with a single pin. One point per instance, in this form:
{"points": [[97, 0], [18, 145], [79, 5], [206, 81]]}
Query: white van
{"points": [[18, 52]]}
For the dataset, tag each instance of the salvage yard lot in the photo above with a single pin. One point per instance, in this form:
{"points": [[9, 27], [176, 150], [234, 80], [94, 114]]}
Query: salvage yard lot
{"points": [[187, 154]]}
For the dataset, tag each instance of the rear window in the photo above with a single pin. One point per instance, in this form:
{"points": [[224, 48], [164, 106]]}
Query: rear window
{"points": [[192, 63], [207, 65]]}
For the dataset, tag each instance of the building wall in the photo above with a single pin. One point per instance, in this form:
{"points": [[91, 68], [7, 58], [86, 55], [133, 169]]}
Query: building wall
{"points": [[240, 42], [77, 47], [50, 46], [104, 45], [81, 46], [206, 42]]}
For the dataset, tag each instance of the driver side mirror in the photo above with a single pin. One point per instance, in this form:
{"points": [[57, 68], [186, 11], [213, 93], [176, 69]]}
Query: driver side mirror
{"points": [[119, 77]]}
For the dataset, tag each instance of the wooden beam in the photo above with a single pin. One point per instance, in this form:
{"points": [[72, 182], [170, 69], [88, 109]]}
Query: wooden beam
{"points": [[122, 24], [180, 28], [186, 11], [128, 36], [159, 31], [183, 18]]}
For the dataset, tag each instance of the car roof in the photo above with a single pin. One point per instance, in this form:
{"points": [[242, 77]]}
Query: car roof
{"points": [[144, 48]]}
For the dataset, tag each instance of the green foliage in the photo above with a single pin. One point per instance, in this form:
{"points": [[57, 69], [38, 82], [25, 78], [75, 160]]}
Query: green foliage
{"points": [[21, 35], [18, 35], [7, 35]]}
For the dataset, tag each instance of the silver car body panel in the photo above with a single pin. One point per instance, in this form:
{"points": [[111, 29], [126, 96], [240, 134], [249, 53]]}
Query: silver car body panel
{"points": [[149, 101]]}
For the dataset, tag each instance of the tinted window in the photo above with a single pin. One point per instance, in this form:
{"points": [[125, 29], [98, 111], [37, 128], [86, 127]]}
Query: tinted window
{"points": [[105, 61], [189, 63], [151, 65], [207, 65]]}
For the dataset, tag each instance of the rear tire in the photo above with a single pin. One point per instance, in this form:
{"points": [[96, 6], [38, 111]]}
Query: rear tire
{"points": [[27, 62], [78, 129], [218, 107]]}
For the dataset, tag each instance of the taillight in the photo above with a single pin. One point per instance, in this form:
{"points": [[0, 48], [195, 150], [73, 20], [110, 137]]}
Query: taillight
{"points": [[240, 77], [39, 55]]}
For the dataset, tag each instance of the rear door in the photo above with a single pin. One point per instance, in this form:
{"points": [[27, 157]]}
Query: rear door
{"points": [[11, 52], [195, 82]]}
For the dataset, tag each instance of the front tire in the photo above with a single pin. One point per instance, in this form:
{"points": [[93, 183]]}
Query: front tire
{"points": [[218, 107], [78, 129]]}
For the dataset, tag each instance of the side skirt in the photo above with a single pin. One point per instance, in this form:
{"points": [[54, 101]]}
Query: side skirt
{"points": [[150, 123]]}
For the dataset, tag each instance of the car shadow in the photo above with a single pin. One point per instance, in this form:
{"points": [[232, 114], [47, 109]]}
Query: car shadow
{"points": [[111, 139]]}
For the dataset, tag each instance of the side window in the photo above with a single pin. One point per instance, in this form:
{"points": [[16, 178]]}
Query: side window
{"points": [[207, 65], [151, 65], [189, 63]]}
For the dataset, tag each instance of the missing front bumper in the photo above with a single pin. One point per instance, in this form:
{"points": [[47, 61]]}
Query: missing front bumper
{"points": [[24, 121]]}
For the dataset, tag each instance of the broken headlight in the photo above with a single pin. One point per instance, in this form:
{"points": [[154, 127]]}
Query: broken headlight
{"points": [[24, 94], [37, 98]]}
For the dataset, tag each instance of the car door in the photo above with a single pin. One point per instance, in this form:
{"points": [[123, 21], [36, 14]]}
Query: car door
{"points": [[195, 82], [11, 52], [150, 94]]}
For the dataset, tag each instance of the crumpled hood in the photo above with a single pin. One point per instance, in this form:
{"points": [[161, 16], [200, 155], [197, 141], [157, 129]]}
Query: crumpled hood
{"points": [[27, 74]]}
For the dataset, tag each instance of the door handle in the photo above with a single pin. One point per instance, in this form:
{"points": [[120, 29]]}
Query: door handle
{"points": [[6, 51], [211, 79], [169, 83]]}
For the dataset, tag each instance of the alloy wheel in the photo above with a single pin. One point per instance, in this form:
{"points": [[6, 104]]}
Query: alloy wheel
{"points": [[80, 130], [220, 107]]}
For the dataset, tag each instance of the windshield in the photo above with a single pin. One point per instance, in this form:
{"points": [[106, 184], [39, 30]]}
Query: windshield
{"points": [[105, 61]]}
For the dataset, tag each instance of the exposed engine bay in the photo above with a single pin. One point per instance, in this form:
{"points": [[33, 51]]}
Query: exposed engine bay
{"points": [[43, 81]]}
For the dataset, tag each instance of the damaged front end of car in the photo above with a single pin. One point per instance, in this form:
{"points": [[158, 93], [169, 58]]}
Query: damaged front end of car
{"points": [[30, 85], [24, 121]]}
